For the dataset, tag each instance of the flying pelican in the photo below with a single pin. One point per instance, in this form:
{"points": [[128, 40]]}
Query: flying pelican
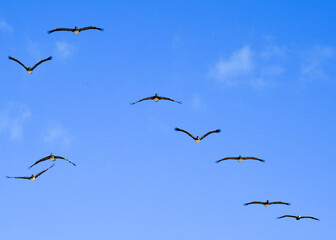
{"points": [[198, 139], [29, 69], [240, 158], [32, 177], [75, 30], [156, 98], [52, 158], [298, 217], [267, 203]]}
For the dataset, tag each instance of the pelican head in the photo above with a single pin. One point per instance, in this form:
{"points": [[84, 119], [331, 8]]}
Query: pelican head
{"points": [[197, 140], [76, 31], [52, 157], [156, 99], [240, 158], [267, 203], [32, 178], [29, 70]]}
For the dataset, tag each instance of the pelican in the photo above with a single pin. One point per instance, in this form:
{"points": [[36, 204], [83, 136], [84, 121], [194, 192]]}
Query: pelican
{"points": [[240, 158], [267, 203], [156, 98], [32, 177], [75, 30], [298, 217], [197, 139], [29, 69], [52, 158]]}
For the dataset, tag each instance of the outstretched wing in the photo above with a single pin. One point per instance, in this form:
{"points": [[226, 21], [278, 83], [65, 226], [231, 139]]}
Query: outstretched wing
{"points": [[91, 27], [14, 59], [61, 29], [41, 160], [169, 99], [227, 158], [46, 59], [255, 202], [254, 158], [311, 217], [148, 98], [44, 171], [181, 130], [279, 203], [19, 177], [287, 216], [214, 131], [65, 159]]}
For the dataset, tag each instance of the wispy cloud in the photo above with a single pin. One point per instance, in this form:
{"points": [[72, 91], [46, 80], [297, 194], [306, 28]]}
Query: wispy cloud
{"points": [[253, 68], [13, 119], [240, 63], [314, 60], [57, 134], [64, 49], [4, 26]]}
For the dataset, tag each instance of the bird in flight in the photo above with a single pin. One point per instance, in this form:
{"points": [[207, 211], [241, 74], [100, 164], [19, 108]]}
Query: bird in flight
{"points": [[52, 158], [298, 217], [33, 177], [29, 69], [198, 139], [267, 203], [240, 158], [75, 30], [156, 98]]}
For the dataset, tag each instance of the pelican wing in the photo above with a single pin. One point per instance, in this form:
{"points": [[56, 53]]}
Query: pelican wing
{"points": [[311, 217], [279, 203], [41, 160], [254, 158], [147, 98], [214, 131], [169, 99], [65, 159], [91, 27], [287, 216], [61, 29], [181, 130], [43, 60], [43, 171], [19, 177], [227, 158], [14, 59], [255, 202]]}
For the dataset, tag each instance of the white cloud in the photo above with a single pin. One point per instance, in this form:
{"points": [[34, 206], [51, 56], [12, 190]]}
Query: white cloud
{"points": [[239, 64], [254, 68], [314, 60], [4, 26], [13, 119], [57, 134], [64, 49]]}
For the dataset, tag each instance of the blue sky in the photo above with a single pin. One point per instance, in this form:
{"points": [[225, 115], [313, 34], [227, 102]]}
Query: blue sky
{"points": [[261, 71]]}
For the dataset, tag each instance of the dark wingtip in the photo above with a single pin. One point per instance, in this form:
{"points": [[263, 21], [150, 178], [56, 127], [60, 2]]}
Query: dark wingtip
{"points": [[50, 57], [177, 129], [217, 161], [49, 32], [218, 130]]}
